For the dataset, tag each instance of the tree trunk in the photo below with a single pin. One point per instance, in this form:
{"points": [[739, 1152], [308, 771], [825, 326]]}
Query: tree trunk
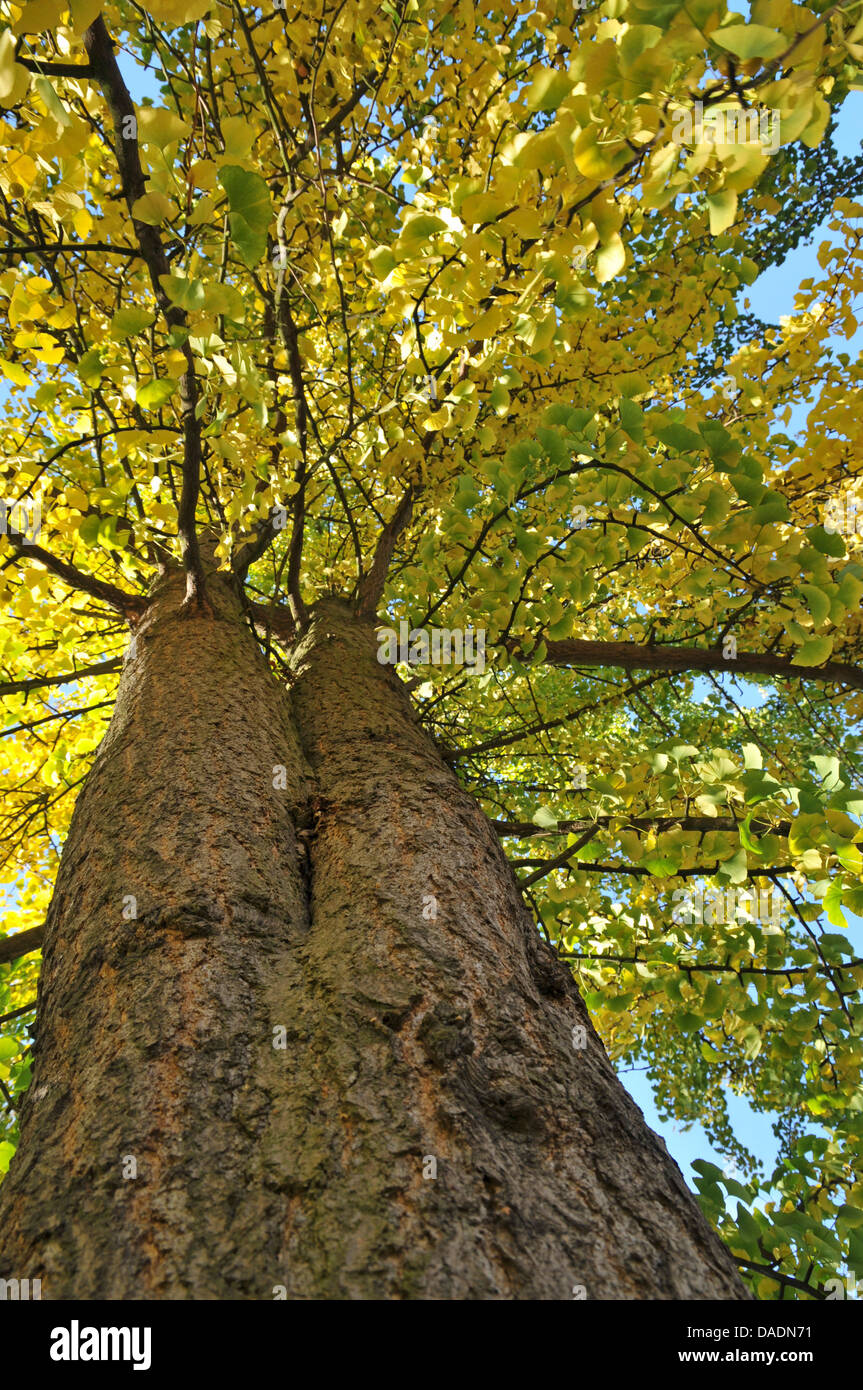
{"points": [[297, 1033]]}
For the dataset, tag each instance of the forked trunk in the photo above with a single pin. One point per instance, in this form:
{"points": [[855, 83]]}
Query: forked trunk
{"points": [[297, 1033]]}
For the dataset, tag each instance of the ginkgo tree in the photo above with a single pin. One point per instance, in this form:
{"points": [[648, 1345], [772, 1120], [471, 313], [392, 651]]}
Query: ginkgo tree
{"points": [[411, 318]]}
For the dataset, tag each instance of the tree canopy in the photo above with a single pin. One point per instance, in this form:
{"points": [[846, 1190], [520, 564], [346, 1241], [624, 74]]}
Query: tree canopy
{"points": [[441, 308]]}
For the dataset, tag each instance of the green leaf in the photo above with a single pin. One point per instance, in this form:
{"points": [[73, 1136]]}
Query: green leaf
{"points": [[748, 1228], [814, 652], [733, 870], [752, 759], [610, 258], [689, 1022], [52, 101], [828, 542], [850, 1215], [545, 817], [153, 209], [835, 945], [632, 419], [126, 323], [679, 438], [710, 1171], [382, 261], [250, 211], [187, 294], [722, 207], [154, 393], [816, 601], [747, 839], [421, 227], [850, 858], [89, 529], [224, 299], [548, 89], [159, 126], [90, 367], [827, 767], [9, 1047], [748, 41]]}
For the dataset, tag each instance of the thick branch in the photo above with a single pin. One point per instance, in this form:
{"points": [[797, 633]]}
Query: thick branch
{"points": [[105, 71], [372, 587], [254, 549], [130, 605], [708, 968], [640, 871], [815, 1291], [99, 248], [21, 944], [18, 1013], [274, 618], [65, 678], [702, 824], [79, 70], [630, 656]]}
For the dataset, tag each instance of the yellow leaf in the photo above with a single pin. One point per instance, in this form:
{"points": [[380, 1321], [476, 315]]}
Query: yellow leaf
{"points": [[158, 126], [596, 159], [723, 210], [152, 209], [238, 136], [15, 373], [39, 17], [610, 258], [175, 12], [77, 499], [14, 79], [83, 13]]}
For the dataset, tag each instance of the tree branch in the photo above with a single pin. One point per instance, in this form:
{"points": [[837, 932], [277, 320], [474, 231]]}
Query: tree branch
{"points": [[815, 1291], [372, 587], [364, 85], [707, 968], [101, 248], [103, 64], [21, 944], [254, 549], [17, 1013], [630, 656], [131, 606], [702, 824], [273, 617], [559, 860], [66, 678], [80, 70]]}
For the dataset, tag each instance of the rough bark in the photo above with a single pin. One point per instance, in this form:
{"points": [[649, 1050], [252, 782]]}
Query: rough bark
{"points": [[154, 1031], [431, 1128]]}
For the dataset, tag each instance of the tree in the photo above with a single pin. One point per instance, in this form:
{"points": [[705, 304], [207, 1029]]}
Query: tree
{"points": [[370, 340]]}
